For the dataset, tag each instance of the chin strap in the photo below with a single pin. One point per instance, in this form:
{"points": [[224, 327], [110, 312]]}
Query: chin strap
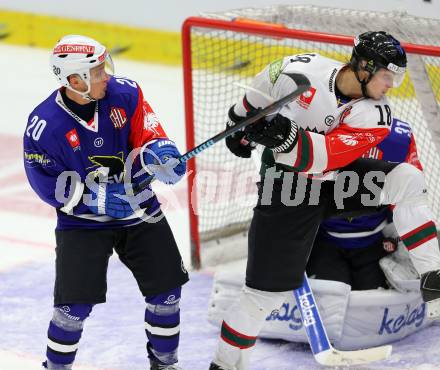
{"points": [[364, 83], [87, 97], [84, 94]]}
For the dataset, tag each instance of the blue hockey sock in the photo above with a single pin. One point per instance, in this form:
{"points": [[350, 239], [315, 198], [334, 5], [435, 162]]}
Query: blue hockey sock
{"points": [[64, 333], [162, 325]]}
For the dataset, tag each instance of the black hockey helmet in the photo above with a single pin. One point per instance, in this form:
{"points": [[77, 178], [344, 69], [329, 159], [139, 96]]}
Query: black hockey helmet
{"points": [[380, 50]]}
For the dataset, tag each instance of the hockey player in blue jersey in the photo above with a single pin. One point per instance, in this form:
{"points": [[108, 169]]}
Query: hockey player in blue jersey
{"points": [[80, 156], [349, 249]]}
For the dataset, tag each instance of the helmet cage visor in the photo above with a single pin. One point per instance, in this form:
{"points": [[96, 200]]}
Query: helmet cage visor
{"points": [[397, 72], [103, 70], [389, 77], [95, 74]]}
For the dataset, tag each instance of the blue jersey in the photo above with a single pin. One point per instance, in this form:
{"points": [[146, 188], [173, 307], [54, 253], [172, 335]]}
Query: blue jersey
{"points": [[61, 149], [359, 232]]}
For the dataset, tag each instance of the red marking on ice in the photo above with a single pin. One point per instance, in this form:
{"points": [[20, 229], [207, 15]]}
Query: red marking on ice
{"points": [[29, 243]]}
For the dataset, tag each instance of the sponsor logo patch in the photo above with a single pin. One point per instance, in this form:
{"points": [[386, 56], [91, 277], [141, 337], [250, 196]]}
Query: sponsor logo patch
{"points": [[349, 140], [307, 307], [33, 159], [118, 117], [164, 142], [275, 70], [102, 57], [74, 49], [98, 142], [392, 324], [305, 99], [353, 139], [288, 314], [73, 139], [329, 120], [171, 299]]}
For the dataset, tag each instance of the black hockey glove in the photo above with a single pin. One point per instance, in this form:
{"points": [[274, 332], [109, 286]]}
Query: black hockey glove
{"points": [[238, 143], [279, 134]]}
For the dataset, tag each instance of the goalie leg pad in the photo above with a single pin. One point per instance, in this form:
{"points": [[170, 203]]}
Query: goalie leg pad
{"points": [[162, 326], [242, 324], [64, 333], [405, 188]]}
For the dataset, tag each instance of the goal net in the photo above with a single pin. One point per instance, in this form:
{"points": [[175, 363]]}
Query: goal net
{"points": [[224, 51]]}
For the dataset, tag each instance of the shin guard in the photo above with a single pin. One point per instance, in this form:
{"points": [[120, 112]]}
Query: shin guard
{"points": [[162, 325], [64, 333]]}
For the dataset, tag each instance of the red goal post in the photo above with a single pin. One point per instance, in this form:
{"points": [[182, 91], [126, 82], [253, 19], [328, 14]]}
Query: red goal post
{"points": [[219, 53]]}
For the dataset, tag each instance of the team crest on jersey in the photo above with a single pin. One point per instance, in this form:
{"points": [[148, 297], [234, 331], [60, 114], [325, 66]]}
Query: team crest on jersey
{"points": [[374, 153], [114, 163], [305, 99], [73, 139], [118, 117]]}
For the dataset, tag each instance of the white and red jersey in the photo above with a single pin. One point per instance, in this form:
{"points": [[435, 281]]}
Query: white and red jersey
{"points": [[330, 135]]}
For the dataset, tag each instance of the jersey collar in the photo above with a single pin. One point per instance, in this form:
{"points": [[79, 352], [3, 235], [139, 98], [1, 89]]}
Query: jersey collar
{"points": [[92, 125]]}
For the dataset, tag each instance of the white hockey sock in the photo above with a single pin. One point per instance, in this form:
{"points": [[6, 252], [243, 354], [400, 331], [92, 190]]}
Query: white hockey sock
{"points": [[241, 326], [405, 187], [419, 235]]}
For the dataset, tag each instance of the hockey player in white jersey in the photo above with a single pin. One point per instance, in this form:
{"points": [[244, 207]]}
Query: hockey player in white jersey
{"points": [[324, 132]]}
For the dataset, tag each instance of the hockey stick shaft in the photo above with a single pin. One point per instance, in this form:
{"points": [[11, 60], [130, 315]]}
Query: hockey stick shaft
{"points": [[320, 345], [312, 322], [302, 85]]}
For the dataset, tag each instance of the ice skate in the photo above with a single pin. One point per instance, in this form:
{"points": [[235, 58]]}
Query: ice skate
{"points": [[157, 366], [214, 366]]}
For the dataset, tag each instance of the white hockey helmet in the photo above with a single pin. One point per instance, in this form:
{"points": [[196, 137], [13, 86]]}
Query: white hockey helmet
{"points": [[75, 54]]}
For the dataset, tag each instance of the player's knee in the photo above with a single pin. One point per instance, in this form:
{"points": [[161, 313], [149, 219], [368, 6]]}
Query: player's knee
{"points": [[259, 303], [404, 183], [71, 317], [166, 303]]}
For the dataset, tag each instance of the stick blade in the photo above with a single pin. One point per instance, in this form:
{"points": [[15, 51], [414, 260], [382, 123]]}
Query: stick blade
{"points": [[333, 357]]}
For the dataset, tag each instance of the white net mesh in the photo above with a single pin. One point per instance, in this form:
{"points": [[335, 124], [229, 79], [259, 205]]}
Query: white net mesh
{"points": [[221, 59]]}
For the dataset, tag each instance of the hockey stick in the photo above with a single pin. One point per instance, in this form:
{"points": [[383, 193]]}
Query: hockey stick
{"points": [[320, 345], [302, 85]]}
